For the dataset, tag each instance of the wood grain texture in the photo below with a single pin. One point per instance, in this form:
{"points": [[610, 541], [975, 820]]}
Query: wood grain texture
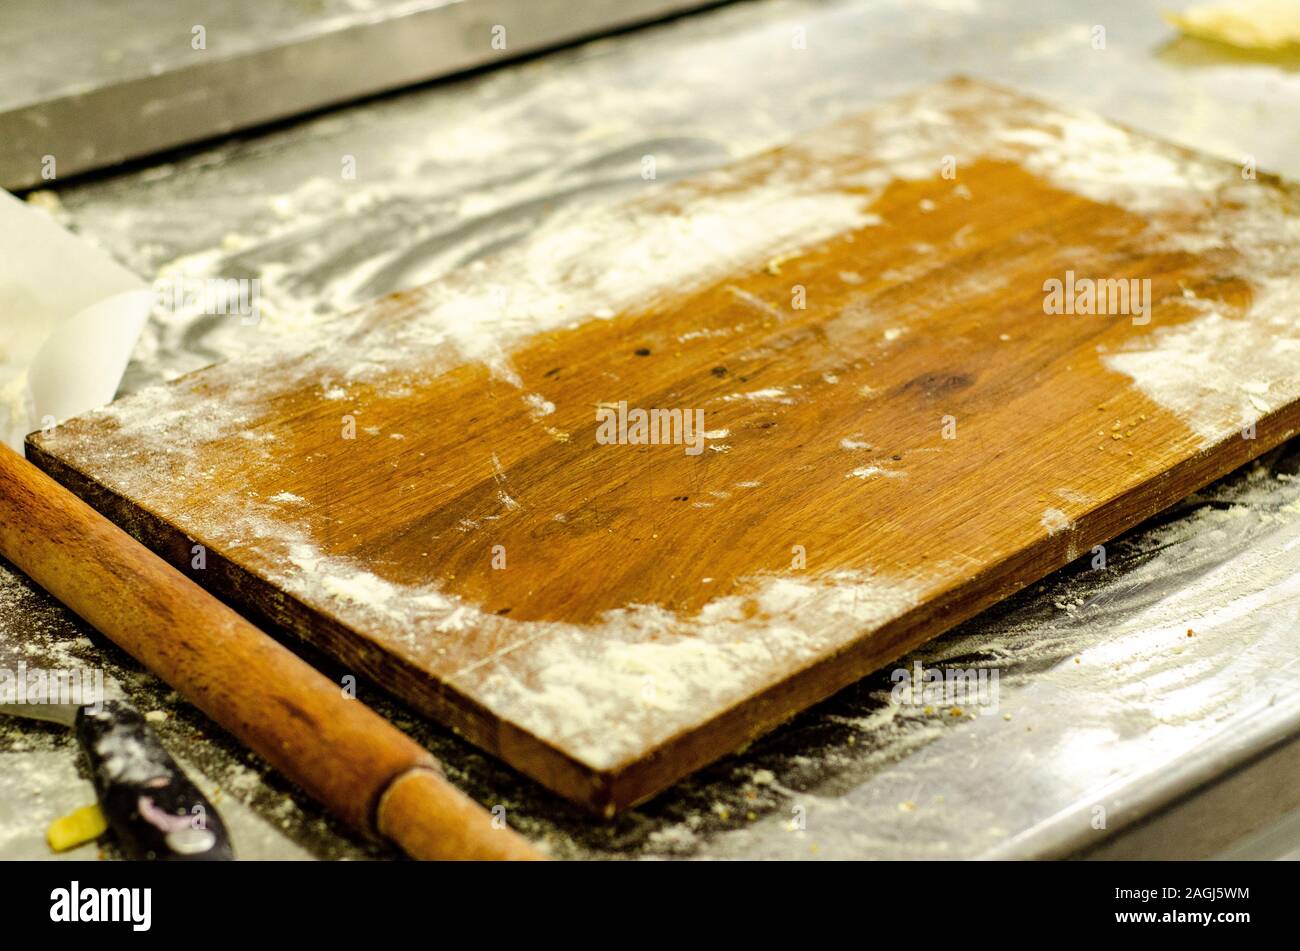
{"points": [[898, 434]]}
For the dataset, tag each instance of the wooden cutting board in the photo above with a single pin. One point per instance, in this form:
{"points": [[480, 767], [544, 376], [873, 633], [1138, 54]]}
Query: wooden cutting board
{"points": [[898, 431]]}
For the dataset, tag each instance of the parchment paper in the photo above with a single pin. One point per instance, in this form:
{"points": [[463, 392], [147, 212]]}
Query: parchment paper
{"points": [[69, 318]]}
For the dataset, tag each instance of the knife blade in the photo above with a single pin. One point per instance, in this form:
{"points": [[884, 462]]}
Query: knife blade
{"points": [[154, 810]]}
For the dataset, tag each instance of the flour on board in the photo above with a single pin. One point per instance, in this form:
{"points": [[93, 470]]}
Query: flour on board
{"points": [[603, 691], [1054, 520], [640, 675], [790, 202]]}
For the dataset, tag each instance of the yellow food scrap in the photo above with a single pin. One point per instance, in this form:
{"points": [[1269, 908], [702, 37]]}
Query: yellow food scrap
{"points": [[1246, 24], [76, 828], [774, 264], [45, 200]]}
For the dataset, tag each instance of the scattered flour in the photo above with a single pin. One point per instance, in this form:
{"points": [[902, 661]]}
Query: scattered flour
{"points": [[1054, 520], [872, 472], [640, 675], [768, 395]]}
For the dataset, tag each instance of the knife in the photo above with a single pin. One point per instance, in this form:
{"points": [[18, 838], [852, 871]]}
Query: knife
{"points": [[154, 810]]}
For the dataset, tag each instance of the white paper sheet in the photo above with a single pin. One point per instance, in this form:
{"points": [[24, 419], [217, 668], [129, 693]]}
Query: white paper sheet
{"points": [[69, 319]]}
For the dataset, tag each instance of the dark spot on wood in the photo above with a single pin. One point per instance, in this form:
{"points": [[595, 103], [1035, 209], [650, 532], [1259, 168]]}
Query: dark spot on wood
{"points": [[504, 611], [680, 498], [642, 351], [552, 371], [719, 371], [296, 712], [896, 457], [938, 384]]}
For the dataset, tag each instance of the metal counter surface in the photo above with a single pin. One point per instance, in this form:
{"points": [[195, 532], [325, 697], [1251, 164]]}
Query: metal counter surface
{"points": [[1130, 697], [92, 85]]}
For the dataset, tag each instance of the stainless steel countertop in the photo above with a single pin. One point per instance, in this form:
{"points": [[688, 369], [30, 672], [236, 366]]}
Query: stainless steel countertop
{"points": [[92, 85], [1105, 700]]}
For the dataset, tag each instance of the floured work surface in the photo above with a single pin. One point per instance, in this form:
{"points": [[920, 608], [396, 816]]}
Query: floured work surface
{"points": [[897, 432]]}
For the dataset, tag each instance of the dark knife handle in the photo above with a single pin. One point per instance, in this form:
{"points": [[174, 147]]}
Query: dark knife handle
{"points": [[152, 807]]}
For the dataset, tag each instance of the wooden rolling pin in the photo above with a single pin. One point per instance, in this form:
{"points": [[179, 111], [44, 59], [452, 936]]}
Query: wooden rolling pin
{"points": [[343, 754]]}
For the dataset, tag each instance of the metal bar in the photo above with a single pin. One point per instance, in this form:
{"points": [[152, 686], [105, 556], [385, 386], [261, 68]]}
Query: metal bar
{"points": [[84, 129]]}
